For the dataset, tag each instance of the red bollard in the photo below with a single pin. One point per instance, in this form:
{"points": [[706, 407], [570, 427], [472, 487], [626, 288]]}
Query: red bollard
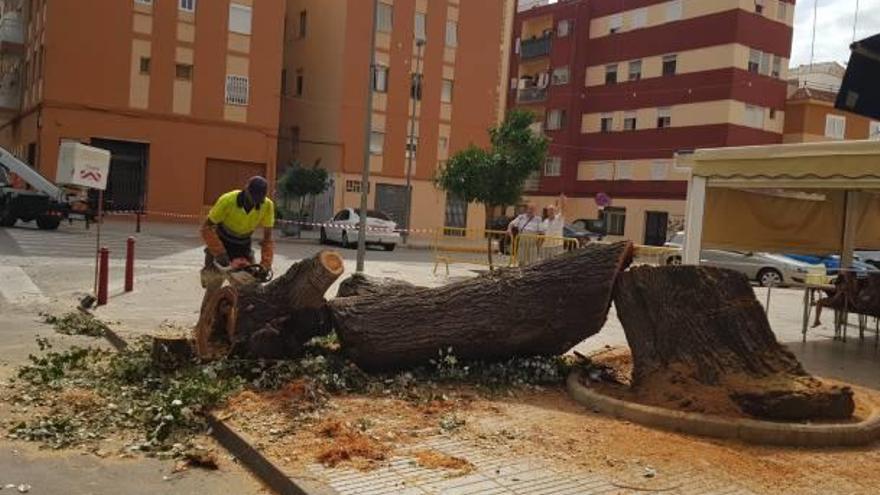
{"points": [[103, 275], [129, 264]]}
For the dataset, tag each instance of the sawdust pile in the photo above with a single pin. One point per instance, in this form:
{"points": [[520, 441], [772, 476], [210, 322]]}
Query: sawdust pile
{"points": [[348, 444], [432, 459]]}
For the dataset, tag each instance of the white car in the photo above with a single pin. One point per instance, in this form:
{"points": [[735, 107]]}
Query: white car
{"points": [[343, 229]]}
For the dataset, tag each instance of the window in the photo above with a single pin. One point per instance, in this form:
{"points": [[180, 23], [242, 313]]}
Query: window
{"points": [[294, 141], [300, 82], [412, 146], [615, 23], [673, 11], [560, 76], [754, 61], [755, 116], [615, 220], [611, 74], [443, 143], [635, 70], [603, 171], [759, 6], [659, 170], [555, 119], [776, 71], [772, 113], [563, 27], [384, 18], [765, 63], [419, 28], [606, 124], [670, 63], [415, 88], [187, 5], [380, 79], [874, 131], [624, 170], [629, 121], [183, 71], [237, 90], [446, 91], [664, 117], [782, 11], [456, 215], [553, 166], [451, 34], [377, 142], [144, 2], [835, 126], [240, 18], [303, 23], [145, 65], [639, 18]]}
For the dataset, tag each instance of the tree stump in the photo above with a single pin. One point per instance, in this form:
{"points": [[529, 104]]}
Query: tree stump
{"points": [[691, 326], [544, 309], [272, 320]]}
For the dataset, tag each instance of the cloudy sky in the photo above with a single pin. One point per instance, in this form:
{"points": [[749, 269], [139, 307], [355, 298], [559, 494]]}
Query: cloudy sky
{"points": [[834, 31]]}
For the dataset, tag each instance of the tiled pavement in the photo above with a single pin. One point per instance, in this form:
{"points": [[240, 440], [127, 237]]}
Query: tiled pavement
{"points": [[498, 474]]}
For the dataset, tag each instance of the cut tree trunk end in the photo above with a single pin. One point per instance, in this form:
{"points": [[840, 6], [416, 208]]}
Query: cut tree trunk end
{"points": [[700, 328], [544, 309], [272, 320]]}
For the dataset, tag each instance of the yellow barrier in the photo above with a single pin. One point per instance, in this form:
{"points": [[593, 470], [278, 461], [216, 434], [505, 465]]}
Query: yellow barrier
{"points": [[531, 248], [471, 246]]}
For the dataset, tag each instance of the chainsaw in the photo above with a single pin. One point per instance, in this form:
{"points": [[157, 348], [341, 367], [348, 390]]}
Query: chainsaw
{"points": [[241, 272]]}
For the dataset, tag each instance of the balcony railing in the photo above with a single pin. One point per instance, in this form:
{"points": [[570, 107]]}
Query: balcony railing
{"points": [[531, 95], [11, 34], [534, 48]]}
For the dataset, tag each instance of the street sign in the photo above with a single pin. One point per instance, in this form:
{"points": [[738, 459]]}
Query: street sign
{"points": [[81, 165], [603, 200]]}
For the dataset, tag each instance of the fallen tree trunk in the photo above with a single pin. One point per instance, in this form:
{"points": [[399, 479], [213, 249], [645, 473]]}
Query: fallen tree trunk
{"points": [[690, 327], [544, 309], [272, 320]]}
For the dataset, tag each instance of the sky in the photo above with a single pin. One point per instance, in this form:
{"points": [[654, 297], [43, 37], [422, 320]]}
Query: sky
{"points": [[834, 30]]}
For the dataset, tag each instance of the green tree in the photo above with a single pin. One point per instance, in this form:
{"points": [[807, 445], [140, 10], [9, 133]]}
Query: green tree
{"points": [[495, 177], [299, 182]]}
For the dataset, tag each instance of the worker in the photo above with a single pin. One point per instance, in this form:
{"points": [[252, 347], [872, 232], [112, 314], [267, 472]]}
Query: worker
{"points": [[228, 229]]}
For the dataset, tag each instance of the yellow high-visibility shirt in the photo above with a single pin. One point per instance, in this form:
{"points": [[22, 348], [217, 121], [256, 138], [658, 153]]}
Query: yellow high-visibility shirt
{"points": [[237, 221]]}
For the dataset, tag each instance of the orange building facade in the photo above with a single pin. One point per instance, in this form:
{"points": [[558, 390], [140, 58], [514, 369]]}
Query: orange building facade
{"points": [[184, 93], [463, 67], [810, 116]]}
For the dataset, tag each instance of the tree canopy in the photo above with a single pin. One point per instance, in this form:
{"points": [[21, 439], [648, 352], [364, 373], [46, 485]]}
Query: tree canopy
{"points": [[299, 181], [496, 176]]}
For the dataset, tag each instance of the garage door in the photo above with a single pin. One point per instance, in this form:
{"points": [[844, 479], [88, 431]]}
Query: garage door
{"points": [[222, 176], [391, 199]]}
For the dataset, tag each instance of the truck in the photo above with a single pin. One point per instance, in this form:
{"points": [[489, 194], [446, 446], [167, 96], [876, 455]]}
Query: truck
{"points": [[44, 201]]}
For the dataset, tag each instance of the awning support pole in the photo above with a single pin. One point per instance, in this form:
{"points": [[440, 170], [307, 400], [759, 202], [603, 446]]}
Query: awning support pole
{"points": [[696, 205], [848, 242]]}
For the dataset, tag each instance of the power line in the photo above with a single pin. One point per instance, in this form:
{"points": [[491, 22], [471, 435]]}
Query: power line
{"points": [[855, 21]]}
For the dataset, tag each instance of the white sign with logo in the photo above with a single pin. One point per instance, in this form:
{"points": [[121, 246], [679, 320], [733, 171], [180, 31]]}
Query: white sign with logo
{"points": [[81, 165]]}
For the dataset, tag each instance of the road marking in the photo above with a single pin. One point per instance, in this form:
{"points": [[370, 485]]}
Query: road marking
{"points": [[17, 287]]}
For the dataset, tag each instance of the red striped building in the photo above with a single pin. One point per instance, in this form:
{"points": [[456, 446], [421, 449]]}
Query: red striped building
{"points": [[624, 84]]}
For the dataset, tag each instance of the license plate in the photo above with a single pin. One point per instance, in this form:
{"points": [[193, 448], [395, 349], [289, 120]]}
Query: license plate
{"points": [[76, 216]]}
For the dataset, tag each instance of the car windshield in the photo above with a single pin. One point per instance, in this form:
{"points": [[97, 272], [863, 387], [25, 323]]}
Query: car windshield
{"points": [[374, 214]]}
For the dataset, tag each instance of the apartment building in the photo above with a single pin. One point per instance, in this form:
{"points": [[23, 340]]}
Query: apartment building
{"points": [[438, 85], [623, 86], [810, 116], [184, 93]]}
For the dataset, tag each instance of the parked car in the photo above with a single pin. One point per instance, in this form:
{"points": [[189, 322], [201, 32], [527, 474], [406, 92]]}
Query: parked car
{"points": [[765, 268], [343, 229], [832, 263], [870, 257]]}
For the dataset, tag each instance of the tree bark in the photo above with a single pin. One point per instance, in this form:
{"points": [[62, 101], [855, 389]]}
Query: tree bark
{"points": [[699, 325], [362, 285], [272, 320], [543, 309]]}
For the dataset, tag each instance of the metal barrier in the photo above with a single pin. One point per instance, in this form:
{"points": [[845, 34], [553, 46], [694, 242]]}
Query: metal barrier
{"points": [[471, 246], [531, 248]]}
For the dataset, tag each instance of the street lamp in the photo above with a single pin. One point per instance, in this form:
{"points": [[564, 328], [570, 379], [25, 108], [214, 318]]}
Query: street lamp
{"points": [[365, 173], [415, 96]]}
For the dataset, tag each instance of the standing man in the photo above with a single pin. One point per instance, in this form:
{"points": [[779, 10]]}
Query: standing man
{"points": [[524, 231], [553, 228], [228, 229]]}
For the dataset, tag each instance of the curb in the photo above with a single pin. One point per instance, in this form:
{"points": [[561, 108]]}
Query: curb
{"points": [[748, 430], [237, 445]]}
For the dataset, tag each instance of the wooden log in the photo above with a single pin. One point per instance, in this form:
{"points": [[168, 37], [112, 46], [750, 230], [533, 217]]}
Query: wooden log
{"points": [[700, 325], [544, 309], [272, 320], [359, 284]]}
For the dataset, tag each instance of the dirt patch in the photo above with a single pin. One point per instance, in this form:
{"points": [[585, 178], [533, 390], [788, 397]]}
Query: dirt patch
{"points": [[77, 400], [676, 389], [432, 459]]}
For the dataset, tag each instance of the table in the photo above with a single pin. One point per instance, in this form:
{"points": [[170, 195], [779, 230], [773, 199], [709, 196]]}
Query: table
{"points": [[810, 301]]}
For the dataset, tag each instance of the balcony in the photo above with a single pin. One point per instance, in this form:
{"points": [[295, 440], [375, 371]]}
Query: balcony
{"points": [[531, 95], [534, 48], [11, 35], [10, 96]]}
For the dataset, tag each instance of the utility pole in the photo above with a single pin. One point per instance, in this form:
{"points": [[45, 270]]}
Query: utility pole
{"points": [[415, 97], [368, 128]]}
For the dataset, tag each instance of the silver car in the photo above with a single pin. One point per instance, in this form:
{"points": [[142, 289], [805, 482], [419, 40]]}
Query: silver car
{"points": [[765, 268]]}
